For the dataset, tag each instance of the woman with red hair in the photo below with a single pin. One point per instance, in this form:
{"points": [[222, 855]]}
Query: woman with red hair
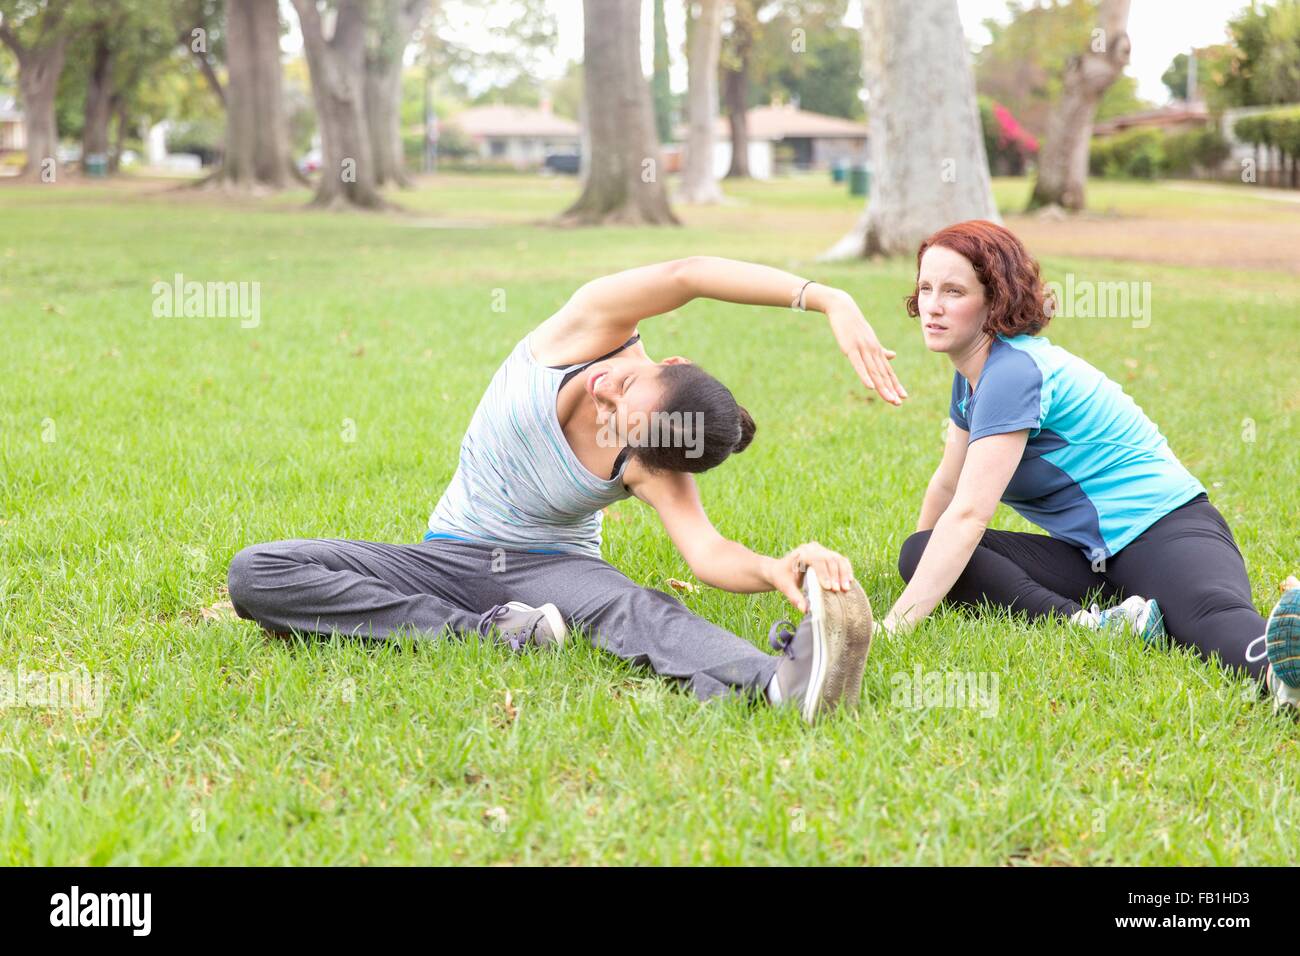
{"points": [[1042, 430]]}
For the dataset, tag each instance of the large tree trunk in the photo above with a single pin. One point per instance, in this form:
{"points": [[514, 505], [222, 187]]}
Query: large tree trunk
{"points": [[698, 182], [257, 138], [118, 109], [39, 66], [735, 87], [99, 92], [383, 87], [1063, 161], [929, 168], [623, 184], [661, 85], [338, 68]]}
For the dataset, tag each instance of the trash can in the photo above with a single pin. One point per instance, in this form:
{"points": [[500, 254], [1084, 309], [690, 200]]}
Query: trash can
{"points": [[837, 171], [859, 180], [96, 165]]}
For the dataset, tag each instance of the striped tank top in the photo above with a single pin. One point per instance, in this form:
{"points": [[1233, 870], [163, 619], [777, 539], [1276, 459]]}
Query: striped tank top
{"points": [[519, 484]]}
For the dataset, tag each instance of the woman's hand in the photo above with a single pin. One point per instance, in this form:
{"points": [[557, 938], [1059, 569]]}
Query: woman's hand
{"points": [[859, 343], [785, 574]]}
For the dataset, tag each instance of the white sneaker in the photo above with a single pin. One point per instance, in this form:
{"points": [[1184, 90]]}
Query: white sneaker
{"points": [[1138, 615]]}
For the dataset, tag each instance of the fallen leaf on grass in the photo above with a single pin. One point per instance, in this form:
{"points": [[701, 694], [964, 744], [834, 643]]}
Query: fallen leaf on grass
{"points": [[221, 611], [686, 586]]}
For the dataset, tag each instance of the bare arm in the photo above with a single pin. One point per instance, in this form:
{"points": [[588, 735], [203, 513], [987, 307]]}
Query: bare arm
{"points": [[604, 313], [726, 564], [990, 463], [943, 484]]}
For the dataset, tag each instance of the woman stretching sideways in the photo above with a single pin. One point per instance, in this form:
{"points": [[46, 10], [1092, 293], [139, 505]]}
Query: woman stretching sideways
{"points": [[577, 417], [1039, 428]]}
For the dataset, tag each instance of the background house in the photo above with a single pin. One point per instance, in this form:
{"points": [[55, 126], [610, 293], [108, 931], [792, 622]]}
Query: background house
{"points": [[517, 135], [13, 134], [785, 137]]}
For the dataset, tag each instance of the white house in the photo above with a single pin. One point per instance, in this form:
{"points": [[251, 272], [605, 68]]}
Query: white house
{"points": [[518, 135], [786, 136], [13, 132]]}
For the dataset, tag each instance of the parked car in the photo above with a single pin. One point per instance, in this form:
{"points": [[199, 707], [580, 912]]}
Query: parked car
{"points": [[563, 163]]}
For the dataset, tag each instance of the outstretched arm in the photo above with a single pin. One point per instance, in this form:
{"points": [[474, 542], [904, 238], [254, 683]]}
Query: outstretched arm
{"points": [[990, 463], [604, 313], [726, 564]]}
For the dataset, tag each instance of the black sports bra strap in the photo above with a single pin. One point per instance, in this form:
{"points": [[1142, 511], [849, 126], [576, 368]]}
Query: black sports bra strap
{"points": [[618, 462], [574, 371]]}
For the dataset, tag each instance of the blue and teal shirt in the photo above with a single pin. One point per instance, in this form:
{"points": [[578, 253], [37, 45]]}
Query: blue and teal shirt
{"points": [[1096, 471]]}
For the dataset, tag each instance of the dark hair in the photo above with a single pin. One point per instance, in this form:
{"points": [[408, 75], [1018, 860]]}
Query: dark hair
{"points": [[1018, 302], [700, 423]]}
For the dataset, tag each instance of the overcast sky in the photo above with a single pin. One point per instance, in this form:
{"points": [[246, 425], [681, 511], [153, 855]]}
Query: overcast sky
{"points": [[1159, 29]]}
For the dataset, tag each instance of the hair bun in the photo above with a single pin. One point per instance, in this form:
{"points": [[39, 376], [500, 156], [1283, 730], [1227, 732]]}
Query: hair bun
{"points": [[747, 428]]}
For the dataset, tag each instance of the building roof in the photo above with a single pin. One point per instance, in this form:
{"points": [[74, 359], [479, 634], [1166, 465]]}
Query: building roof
{"points": [[1176, 114], [480, 121], [788, 122]]}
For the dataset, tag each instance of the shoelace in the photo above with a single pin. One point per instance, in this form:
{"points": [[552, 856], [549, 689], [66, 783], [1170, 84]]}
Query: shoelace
{"points": [[490, 616], [781, 636]]}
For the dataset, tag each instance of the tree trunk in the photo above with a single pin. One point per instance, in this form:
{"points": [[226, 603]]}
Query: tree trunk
{"points": [[383, 88], [99, 90], [663, 94], [338, 68], [39, 66], [736, 90], [117, 108], [1063, 161], [699, 185], [257, 138], [623, 184], [928, 164], [584, 140]]}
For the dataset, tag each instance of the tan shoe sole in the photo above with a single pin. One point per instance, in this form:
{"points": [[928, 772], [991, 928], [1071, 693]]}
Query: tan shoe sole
{"points": [[848, 615]]}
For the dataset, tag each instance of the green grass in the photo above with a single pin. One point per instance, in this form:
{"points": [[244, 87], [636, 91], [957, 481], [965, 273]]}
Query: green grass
{"points": [[175, 442]]}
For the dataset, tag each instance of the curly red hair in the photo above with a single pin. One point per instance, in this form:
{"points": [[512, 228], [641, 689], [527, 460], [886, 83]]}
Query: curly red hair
{"points": [[1018, 302]]}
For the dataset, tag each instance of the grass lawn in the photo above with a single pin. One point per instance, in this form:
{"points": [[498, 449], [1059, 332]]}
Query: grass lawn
{"points": [[140, 453]]}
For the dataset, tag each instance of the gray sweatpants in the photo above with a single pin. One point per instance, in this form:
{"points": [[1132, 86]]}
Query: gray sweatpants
{"points": [[375, 590]]}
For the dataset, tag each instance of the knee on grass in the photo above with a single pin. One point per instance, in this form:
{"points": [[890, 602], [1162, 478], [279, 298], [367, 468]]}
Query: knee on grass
{"points": [[909, 555], [243, 578]]}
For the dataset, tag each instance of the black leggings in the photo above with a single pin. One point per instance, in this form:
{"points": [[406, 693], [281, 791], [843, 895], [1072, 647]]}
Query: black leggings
{"points": [[1188, 561]]}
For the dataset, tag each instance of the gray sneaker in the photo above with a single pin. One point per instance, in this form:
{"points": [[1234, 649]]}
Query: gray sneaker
{"points": [[518, 625], [825, 656]]}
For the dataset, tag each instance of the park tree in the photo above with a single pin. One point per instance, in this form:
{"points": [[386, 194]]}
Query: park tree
{"points": [[807, 54], [926, 143], [257, 154], [1063, 159], [1023, 64], [737, 67], [393, 26], [704, 41], [1265, 66], [622, 184], [663, 94], [338, 64], [200, 29], [122, 45], [38, 33]]}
